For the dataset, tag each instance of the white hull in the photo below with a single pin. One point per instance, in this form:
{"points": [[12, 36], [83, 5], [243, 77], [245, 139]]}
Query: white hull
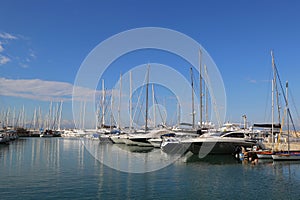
{"points": [[156, 142], [286, 157], [264, 156], [118, 139], [142, 139], [73, 134], [136, 142], [45, 135], [207, 145]]}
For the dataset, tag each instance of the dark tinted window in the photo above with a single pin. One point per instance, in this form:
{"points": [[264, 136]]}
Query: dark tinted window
{"points": [[235, 135]]}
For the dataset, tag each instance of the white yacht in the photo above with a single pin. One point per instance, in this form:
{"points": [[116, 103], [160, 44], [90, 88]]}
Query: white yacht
{"points": [[155, 142], [142, 139], [3, 138], [119, 138], [219, 143]]}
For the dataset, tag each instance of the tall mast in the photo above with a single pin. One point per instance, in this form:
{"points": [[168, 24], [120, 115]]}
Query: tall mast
{"points": [[178, 115], [272, 130], [40, 121], [212, 96], [130, 101], [60, 113], [111, 112], [273, 93], [50, 115], [97, 117], [154, 109], [275, 86], [83, 118], [80, 116], [288, 125], [103, 99], [34, 119], [7, 116], [23, 116], [120, 101], [200, 87], [206, 104], [146, 117], [18, 123], [193, 106], [55, 117], [14, 116]]}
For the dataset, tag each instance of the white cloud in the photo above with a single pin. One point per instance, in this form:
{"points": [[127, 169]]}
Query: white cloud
{"points": [[253, 81], [32, 54], [43, 90], [7, 36], [22, 56], [23, 65], [4, 60], [1, 48]]}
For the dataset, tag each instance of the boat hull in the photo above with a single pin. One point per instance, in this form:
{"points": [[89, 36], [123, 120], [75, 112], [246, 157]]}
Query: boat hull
{"points": [[104, 139], [207, 145], [175, 147], [264, 154], [118, 139], [142, 142], [218, 147], [4, 140], [286, 157], [46, 135], [156, 142]]}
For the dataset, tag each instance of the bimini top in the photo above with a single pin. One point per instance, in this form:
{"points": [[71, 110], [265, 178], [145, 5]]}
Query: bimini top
{"points": [[267, 125]]}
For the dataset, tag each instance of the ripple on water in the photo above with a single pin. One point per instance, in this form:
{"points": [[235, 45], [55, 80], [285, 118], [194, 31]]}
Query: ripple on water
{"points": [[37, 168]]}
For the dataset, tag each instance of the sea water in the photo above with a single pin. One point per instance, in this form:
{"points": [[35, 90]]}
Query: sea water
{"points": [[59, 168]]}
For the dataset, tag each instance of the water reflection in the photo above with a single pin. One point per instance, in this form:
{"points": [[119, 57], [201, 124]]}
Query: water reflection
{"points": [[136, 149], [132, 159], [36, 168], [211, 159], [287, 169], [39, 153], [3, 149]]}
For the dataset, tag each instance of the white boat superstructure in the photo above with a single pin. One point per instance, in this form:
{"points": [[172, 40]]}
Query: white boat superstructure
{"points": [[229, 127], [73, 133], [119, 138], [142, 139]]}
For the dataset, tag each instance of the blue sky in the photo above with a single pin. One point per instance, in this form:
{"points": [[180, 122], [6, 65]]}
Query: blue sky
{"points": [[48, 41]]}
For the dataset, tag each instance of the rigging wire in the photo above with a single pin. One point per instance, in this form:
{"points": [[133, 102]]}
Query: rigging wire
{"points": [[294, 104], [285, 99]]}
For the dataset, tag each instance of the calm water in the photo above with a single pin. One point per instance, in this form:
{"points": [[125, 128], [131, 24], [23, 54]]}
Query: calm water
{"points": [[56, 168]]}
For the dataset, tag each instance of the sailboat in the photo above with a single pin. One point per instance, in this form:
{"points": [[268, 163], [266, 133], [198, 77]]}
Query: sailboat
{"points": [[142, 137], [276, 155], [267, 154], [48, 132], [289, 155], [121, 136], [207, 143]]}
